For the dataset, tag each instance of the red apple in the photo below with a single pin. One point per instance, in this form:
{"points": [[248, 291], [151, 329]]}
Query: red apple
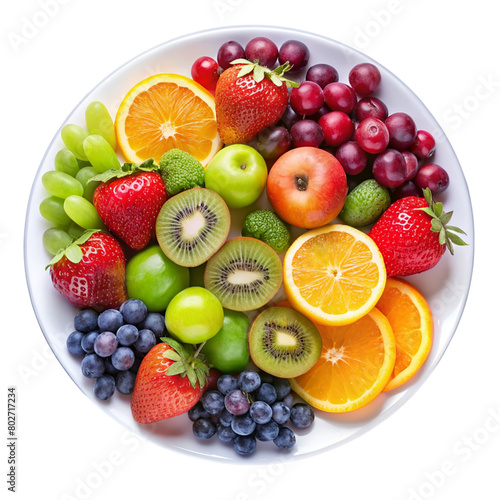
{"points": [[307, 187]]}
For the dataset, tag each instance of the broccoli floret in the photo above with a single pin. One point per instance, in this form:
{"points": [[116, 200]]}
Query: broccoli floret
{"points": [[181, 171], [267, 227]]}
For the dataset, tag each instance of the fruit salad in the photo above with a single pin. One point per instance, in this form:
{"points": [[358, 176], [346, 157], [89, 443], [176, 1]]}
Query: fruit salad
{"points": [[307, 309]]}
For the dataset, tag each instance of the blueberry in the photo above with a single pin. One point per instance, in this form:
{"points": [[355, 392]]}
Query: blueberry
{"points": [[86, 321], [288, 400], [104, 387], [266, 377], [225, 417], [283, 389], [260, 412], [156, 323], [244, 445], [243, 425], [249, 381], [110, 369], [88, 341], [197, 411], [226, 383], [127, 334], [110, 320], [285, 438], [105, 344], [213, 402], [225, 434], [134, 311], [146, 341], [236, 402], [123, 358], [92, 366], [302, 415], [74, 343], [204, 428], [267, 432], [281, 412], [125, 381], [266, 392]]}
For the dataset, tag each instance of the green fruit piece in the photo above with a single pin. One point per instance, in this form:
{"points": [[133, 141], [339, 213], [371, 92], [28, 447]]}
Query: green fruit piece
{"points": [[228, 350], [181, 171], [55, 240], [194, 315], [192, 225], [52, 209], [99, 122], [83, 176], [283, 342], [365, 203], [244, 274], [153, 278], [65, 161], [266, 226]]}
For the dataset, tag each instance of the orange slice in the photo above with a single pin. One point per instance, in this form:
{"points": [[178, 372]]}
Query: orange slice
{"points": [[334, 274], [411, 320], [163, 112], [355, 364]]}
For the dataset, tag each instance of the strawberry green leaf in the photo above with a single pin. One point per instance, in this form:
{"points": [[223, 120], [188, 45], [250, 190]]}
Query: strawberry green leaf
{"points": [[176, 368], [442, 236], [438, 209], [259, 74], [127, 169], [455, 239], [172, 355], [191, 375], [436, 225], [74, 253], [456, 229], [427, 210], [446, 217], [240, 61], [246, 70]]}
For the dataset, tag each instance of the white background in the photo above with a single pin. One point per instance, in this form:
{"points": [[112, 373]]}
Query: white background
{"points": [[444, 443]]}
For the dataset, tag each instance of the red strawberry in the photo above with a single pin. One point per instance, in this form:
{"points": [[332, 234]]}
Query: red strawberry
{"points": [[91, 272], [170, 381], [129, 205], [248, 99], [413, 234]]}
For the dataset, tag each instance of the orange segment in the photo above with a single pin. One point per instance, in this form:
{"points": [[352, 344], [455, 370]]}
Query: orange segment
{"points": [[163, 112], [355, 364], [334, 275], [411, 321]]}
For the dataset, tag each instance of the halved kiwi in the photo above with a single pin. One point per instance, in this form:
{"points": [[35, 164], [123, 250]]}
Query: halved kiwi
{"points": [[192, 225], [283, 342], [244, 274]]}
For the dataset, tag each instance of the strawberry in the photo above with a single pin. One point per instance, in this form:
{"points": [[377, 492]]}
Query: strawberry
{"points": [[413, 235], [91, 272], [248, 99], [171, 380], [129, 205]]}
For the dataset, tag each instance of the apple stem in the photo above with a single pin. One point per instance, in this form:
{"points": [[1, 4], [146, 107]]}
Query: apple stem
{"points": [[198, 349], [301, 183], [244, 166]]}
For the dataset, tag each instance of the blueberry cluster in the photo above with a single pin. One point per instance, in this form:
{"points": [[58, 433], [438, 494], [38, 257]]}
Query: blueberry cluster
{"points": [[113, 344], [252, 407]]}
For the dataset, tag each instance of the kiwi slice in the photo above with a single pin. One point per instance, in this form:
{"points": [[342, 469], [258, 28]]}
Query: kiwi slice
{"points": [[283, 342], [244, 274], [192, 225]]}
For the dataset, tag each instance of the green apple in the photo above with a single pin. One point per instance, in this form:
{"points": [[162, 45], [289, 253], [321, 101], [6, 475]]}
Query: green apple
{"points": [[238, 173], [194, 315], [228, 350], [153, 278]]}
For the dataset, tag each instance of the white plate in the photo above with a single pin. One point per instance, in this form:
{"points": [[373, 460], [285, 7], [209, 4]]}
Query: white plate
{"points": [[445, 287]]}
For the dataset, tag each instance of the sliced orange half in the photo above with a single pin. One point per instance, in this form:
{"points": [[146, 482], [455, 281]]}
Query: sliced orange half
{"points": [[355, 364], [163, 112], [334, 274], [411, 320]]}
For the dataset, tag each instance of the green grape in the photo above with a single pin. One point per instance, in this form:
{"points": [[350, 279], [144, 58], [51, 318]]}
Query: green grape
{"points": [[73, 137], [75, 231], [83, 163], [60, 184], [83, 212], [56, 239], [83, 177], [100, 122], [100, 153], [65, 161], [52, 209]]}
